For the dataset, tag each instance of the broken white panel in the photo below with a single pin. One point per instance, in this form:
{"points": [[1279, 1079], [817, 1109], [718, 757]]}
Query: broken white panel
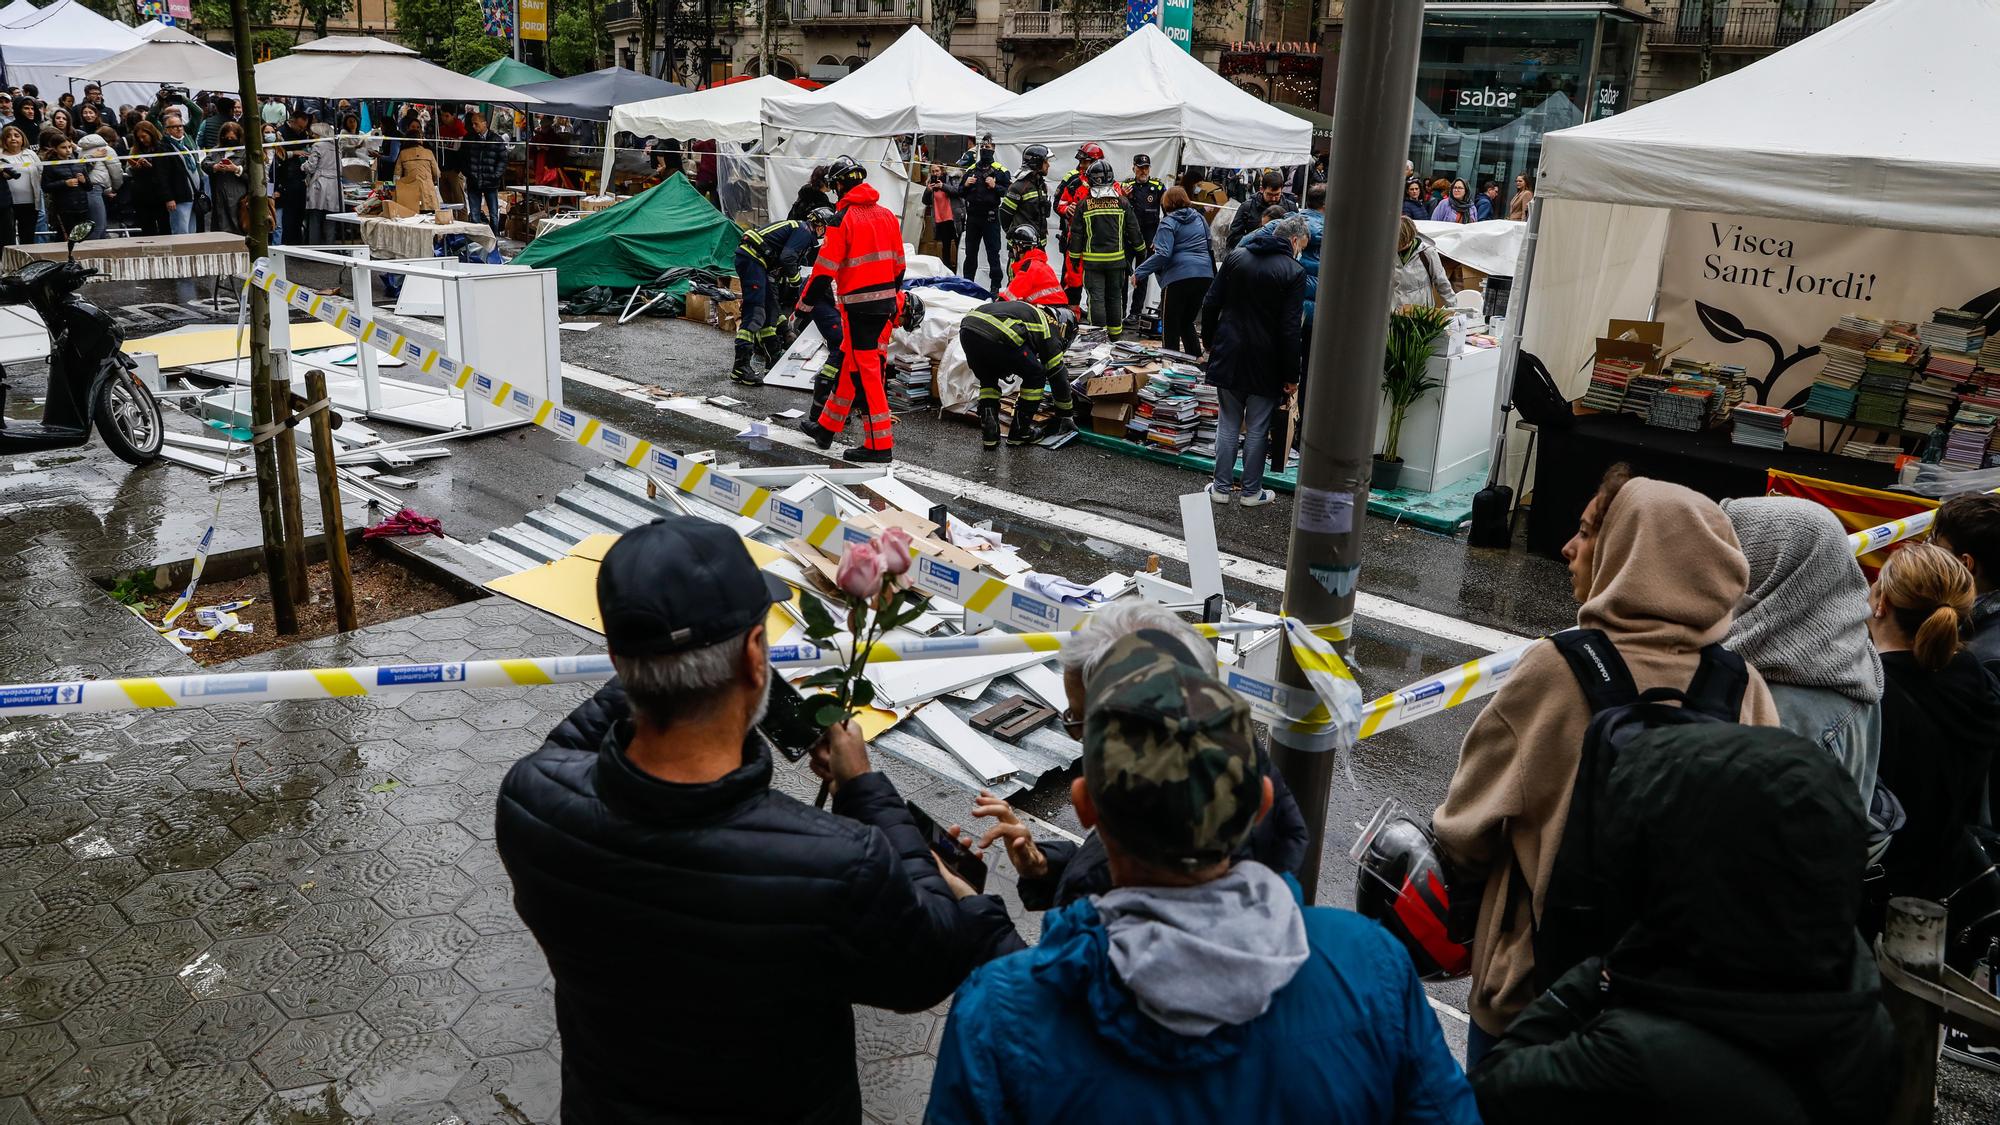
{"points": [[796, 368], [963, 742], [908, 683], [1198, 529], [1045, 684]]}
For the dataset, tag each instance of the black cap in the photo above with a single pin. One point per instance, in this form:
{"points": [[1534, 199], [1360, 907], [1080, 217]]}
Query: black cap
{"points": [[681, 583]]}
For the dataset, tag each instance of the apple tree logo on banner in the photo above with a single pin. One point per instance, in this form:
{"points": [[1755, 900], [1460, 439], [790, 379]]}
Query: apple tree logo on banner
{"points": [[1139, 13]]}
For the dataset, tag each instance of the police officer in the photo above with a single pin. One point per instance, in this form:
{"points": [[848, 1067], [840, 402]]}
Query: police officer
{"points": [[1034, 280], [1027, 201], [863, 258], [1145, 192], [986, 183], [1016, 338], [763, 256], [1104, 242], [1070, 195]]}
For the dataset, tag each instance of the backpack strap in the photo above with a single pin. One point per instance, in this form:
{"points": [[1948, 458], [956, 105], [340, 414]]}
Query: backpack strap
{"points": [[1719, 683], [1599, 670]]}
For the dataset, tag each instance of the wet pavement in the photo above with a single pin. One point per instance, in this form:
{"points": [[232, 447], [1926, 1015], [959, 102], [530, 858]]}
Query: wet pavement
{"points": [[294, 913]]}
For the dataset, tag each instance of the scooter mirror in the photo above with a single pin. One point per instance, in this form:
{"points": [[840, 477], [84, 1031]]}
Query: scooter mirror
{"points": [[79, 232]]}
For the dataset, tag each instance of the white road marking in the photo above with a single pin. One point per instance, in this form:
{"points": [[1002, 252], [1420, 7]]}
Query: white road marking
{"points": [[1249, 572]]}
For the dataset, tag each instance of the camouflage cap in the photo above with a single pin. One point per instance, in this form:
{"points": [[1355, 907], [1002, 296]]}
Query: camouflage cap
{"points": [[1167, 754]]}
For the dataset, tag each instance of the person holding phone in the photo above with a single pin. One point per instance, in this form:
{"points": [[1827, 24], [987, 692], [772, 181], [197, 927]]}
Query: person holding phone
{"points": [[695, 918]]}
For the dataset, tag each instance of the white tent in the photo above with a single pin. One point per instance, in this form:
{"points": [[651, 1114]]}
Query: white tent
{"points": [[731, 113], [148, 30], [45, 46], [1147, 95], [914, 86], [362, 66], [170, 55], [18, 10]]}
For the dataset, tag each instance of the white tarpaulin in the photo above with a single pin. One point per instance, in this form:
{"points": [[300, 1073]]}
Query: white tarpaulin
{"points": [[724, 113], [1144, 95], [170, 55], [46, 46], [1492, 247], [362, 66]]}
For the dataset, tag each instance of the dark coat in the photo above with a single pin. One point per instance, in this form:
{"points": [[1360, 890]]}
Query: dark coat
{"points": [[694, 930], [1252, 316], [1250, 215], [810, 199], [1938, 734], [1279, 842], [1741, 990], [58, 196], [982, 203], [485, 161]]}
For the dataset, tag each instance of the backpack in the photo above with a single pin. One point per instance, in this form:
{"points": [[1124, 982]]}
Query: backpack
{"points": [[1583, 914]]}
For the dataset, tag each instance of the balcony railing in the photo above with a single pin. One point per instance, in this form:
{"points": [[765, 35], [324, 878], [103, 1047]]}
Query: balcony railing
{"points": [[857, 13], [1733, 26], [1062, 25], [620, 10]]}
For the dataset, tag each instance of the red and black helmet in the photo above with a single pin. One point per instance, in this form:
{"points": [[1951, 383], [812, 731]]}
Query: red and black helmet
{"points": [[1089, 151], [1402, 885]]}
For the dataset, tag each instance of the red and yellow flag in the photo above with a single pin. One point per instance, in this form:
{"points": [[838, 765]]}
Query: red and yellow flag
{"points": [[1858, 508]]}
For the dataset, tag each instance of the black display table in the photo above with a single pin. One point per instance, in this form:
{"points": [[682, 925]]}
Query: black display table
{"points": [[1574, 458]]}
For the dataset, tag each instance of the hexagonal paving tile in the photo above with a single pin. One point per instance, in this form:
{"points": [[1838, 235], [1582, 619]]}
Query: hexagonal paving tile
{"points": [[880, 1034], [93, 880], [27, 1054], [436, 767], [437, 734], [302, 715], [510, 960], [18, 908], [204, 1093], [127, 1011], [190, 848], [435, 705], [434, 628], [335, 982], [309, 1052], [501, 716], [238, 965], [66, 932], [353, 831], [101, 1082], [27, 866], [270, 819], [510, 745], [329, 1104], [417, 891], [433, 844], [34, 993], [415, 1003], [119, 834], [411, 1070], [47, 824], [346, 875], [179, 894], [441, 803], [415, 944], [219, 1032], [270, 861], [151, 949], [502, 1023], [264, 909], [523, 1087], [895, 1091], [302, 746], [335, 927]]}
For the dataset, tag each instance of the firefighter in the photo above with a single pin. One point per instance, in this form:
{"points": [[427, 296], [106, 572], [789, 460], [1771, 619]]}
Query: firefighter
{"points": [[762, 257], [1027, 200], [1075, 188], [1033, 279], [1016, 338], [1104, 242], [986, 183], [862, 256], [818, 304]]}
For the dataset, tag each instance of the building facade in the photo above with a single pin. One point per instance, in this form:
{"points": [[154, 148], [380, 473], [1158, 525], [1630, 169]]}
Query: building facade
{"points": [[1729, 34]]}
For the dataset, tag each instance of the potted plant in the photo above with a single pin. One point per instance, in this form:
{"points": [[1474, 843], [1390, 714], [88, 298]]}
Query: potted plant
{"points": [[1413, 334]]}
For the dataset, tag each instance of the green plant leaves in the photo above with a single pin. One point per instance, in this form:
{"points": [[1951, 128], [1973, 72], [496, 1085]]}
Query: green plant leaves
{"points": [[831, 715], [864, 693]]}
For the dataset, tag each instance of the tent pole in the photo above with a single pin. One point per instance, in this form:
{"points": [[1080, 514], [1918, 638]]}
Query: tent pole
{"points": [[1510, 344]]}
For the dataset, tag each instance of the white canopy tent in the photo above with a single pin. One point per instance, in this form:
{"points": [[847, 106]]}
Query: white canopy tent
{"points": [[45, 46], [362, 66], [18, 10], [170, 55], [148, 30], [732, 113], [914, 86], [1147, 95]]}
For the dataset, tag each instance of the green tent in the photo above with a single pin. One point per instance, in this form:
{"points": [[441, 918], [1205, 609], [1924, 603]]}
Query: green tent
{"points": [[659, 229], [511, 73]]}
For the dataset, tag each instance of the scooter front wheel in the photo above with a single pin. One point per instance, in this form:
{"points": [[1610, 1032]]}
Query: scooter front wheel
{"points": [[128, 418]]}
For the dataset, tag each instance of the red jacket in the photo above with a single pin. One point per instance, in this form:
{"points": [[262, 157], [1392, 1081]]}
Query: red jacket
{"points": [[862, 252], [1034, 281]]}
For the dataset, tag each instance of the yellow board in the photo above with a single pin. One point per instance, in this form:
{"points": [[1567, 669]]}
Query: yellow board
{"points": [[218, 344]]}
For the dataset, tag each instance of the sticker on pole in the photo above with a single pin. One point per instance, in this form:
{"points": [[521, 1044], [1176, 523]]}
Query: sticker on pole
{"points": [[1324, 511]]}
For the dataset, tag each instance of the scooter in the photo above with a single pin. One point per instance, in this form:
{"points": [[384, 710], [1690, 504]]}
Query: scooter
{"points": [[91, 379]]}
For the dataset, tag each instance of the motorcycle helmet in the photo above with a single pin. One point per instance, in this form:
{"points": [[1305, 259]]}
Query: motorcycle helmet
{"points": [[1035, 158], [1101, 174], [844, 173], [913, 311], [1089, 151], [1023, 238], [1402, 886], [819, 217]]}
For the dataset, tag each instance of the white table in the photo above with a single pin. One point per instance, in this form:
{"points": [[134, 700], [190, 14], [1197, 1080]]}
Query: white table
{"points": [[545, 191], [1448, 433]]}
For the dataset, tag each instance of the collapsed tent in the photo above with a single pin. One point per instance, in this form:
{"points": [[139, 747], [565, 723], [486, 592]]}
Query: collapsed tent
{"points": [[1147, 95], [511, 73], [45, 46], [589, 97], [665, 227]]}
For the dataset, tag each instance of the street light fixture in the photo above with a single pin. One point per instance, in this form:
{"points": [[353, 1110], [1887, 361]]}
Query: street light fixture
{"points": [[1006, 62], [862, 44]]}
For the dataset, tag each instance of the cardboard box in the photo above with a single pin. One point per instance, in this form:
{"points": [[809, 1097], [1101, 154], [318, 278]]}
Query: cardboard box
{"points": [[1113, 385], [723, 314], [1643, 346], [1109, 418]]}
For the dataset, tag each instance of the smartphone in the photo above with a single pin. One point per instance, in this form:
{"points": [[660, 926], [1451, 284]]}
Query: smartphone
{"points": [[788, 720], [955, 855]]}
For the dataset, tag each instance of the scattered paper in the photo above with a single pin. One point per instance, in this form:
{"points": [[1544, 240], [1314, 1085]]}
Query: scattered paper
{"points": [[1057, 588], [758, 436], [724, 401], [579, 325], [790, 415]]}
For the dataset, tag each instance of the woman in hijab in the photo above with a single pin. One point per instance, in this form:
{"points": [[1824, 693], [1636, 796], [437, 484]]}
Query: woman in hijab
{"points": [[1457, 207]]}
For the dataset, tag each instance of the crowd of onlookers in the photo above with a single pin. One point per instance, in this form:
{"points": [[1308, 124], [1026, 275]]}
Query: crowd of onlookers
{"points": [[1454, 201]]}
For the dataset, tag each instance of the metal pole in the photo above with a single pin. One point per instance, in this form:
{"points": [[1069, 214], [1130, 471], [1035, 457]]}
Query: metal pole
{"points": [[339, 574], [262, 414], [1371, 109], [1913, 938]]}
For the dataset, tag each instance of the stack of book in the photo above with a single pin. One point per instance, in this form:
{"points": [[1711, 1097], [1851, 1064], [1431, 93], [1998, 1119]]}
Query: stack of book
{"points": [[1971, 436], [1886, 372], [909, 383], [1927, 407], [1609, 378], [1954, 330], [1727, 381], [1989, 355], [1169, 414], [1208, 412], [1984, 404], [1872, 451], [1680, 407], [1759, 426], [1639, 395], [1843, 348]]}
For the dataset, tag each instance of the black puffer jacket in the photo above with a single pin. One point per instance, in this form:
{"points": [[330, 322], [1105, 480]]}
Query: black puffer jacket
{"points": [[485, 160], [701, 934], [1252, 315], [1938, 734], [1742, 992]]}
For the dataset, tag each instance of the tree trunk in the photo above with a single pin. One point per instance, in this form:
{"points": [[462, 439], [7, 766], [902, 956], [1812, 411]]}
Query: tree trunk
{"points": [[649, 14], [767, 35]]}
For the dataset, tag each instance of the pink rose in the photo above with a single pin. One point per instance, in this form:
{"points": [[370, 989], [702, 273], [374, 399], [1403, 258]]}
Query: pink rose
{"points": [[860, 573], [894, 545]]}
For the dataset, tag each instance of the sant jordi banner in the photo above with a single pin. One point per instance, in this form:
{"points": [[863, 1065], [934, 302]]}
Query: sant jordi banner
{"points": [[1761, 293]]}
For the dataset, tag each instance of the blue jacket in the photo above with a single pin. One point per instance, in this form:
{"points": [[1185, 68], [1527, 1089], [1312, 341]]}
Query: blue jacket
{"points": [[1180, 249], [1309, 257], [1051, 1035]]}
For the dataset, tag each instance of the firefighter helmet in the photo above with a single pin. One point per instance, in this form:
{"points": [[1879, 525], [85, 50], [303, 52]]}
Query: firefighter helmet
{"points": [[913, 311], [1035, 158], [819, 217], [1023, 238], [1402, 886], [1089, 151], [844, 173], [1101, 174]]}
